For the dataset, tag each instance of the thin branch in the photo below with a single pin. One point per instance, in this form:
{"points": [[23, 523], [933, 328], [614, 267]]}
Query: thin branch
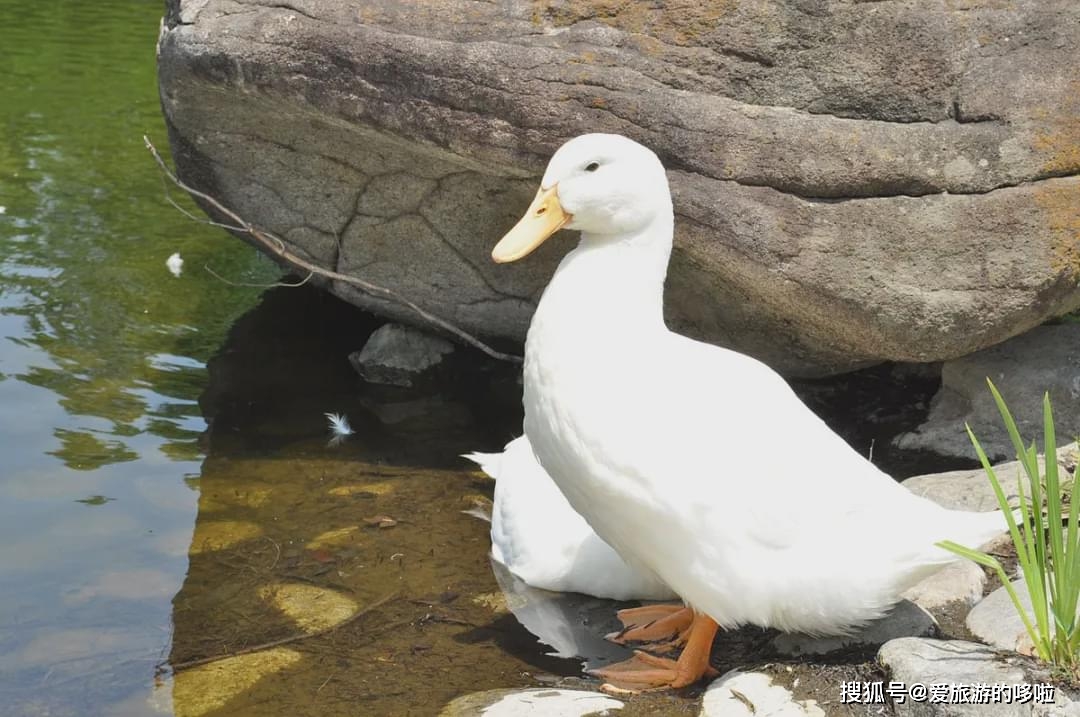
{"points": [[271, 285], [276, 246], [189, 664]]}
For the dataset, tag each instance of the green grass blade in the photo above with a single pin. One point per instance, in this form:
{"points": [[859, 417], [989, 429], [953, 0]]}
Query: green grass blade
{"points": [[1042, 648]]}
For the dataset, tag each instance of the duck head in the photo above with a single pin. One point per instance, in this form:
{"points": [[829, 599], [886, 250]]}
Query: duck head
{"points": [[603, 185]]}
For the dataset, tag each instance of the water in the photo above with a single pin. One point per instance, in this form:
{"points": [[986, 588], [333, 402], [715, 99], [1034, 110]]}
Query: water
{"points": [[167, 495]]}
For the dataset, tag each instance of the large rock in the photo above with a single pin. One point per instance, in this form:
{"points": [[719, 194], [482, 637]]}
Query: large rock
{"points": [[1046, 359], [854, 181]]}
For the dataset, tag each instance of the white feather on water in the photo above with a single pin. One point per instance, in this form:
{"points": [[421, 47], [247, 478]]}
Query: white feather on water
{"points": [[175, 264], [339, 428]]}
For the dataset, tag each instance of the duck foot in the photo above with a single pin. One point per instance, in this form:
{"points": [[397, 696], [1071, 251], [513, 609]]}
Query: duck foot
{"points": [[653, 623], [645, 673]]}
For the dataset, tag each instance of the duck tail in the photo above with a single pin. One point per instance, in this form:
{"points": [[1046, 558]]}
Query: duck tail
{"points": [[490, 463], [975, 530]]}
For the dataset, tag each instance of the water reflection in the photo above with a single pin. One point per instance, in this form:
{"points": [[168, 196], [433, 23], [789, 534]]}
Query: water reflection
{"points": [[292, 538], [102, 357]]}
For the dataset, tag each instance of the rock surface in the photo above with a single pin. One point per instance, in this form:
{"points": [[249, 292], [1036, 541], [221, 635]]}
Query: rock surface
{"points": [[745, 694], [995, 620], [398, 355], [854, 181], [971, 490], [1023, 369], [906, 619], [962, 581], [533, 703], [954, 662]]}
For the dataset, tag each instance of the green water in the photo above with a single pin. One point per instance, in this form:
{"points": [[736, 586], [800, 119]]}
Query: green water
{"points": [[102, 357]]}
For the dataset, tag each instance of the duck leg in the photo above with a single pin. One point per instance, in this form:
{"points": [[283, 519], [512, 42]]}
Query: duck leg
{"points": [[644, 672], [653, 623]]}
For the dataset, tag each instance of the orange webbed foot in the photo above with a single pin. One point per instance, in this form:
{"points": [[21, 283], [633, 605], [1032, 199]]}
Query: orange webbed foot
{"points": [[644, 672], [652, 623]]}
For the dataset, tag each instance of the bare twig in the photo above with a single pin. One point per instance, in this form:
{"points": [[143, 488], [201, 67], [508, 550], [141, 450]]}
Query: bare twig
{"points": [[276, 246], [189, 664]]}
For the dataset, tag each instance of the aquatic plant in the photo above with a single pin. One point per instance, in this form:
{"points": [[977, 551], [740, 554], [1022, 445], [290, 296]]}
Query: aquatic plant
{"points": [[1047, 543]]}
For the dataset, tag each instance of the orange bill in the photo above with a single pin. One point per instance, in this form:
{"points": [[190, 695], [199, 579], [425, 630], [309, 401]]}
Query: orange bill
{"points": [[544, 217]]}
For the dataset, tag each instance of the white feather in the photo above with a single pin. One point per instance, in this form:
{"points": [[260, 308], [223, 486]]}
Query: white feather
{"points": [[339, 427], [175, 264], [540, 539]]}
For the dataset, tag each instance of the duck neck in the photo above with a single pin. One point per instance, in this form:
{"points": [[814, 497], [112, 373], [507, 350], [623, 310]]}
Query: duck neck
{"points": [[611, 285]]}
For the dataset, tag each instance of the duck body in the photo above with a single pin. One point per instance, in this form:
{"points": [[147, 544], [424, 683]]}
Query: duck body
{"points": [[695, 462], [539, 538]]}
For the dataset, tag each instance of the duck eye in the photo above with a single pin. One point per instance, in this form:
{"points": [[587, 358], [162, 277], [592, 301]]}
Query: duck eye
{"points": [[592, 166]]}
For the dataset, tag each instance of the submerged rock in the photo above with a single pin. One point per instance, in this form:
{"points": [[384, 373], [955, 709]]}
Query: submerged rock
{"points": [[533, 703], [1023, 369], [868, 181], [746, 694], [397, 355]]}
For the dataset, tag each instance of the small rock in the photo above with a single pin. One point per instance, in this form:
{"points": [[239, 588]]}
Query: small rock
{"points": [[748, 694], [1047, 358], [532, 703], [971, 490], [995, 620], [398, 355], [913, 660], [906, 619], [962, 580]]}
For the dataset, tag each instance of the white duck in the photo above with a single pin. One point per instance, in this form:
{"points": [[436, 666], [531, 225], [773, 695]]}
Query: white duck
{"points": [[542, 541], [695, 462]]}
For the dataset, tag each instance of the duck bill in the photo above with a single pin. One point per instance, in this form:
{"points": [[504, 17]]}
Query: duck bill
{"points": [[544, 217]]}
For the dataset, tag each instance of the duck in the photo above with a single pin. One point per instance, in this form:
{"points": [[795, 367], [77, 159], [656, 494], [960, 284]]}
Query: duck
{"points": [[540, 540], [693, 461]]}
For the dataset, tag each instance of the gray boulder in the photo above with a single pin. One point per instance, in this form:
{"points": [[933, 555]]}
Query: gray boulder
{"points": [[1023, 369], [854, 181]]}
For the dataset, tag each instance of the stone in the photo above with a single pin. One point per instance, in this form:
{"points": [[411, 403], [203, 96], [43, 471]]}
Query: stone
{"points": [[995, 620], [397, 355], [971, 489], [962, 581], [746, 694], [914, 660], [1023, 369], [854, 182], [532, 703], [906, 619]]}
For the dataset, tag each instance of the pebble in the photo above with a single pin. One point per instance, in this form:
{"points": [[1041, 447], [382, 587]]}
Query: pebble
{"points": [[995, 620], [752, 694], [532, 703], [961, 581]]}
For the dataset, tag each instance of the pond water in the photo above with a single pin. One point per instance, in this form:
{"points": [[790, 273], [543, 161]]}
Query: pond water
{"points": [[176, 536], [166, 489]]}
